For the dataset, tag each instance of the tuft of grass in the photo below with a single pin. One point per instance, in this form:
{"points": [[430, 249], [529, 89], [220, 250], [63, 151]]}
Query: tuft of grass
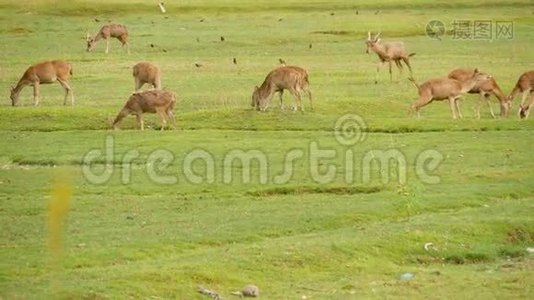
{"points": [[299, 190]]}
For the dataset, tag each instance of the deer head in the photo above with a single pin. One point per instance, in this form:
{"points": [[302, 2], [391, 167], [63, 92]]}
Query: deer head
{"points": [[255, 98], [523, 111], [14, 96], [371, 42], [90, 42]]}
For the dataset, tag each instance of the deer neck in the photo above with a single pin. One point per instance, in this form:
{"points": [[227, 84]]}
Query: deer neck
{"points": [[499, 93], [265, 90], [515, 92], [469, 85], [380, 50], [21, 84]]}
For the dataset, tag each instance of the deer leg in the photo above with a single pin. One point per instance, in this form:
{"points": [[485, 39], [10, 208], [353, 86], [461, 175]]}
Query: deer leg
{"points": [[307, 90], [452, 105], [487, 99], [107, 45], [171, 117], [140, 121], [407, 62], [162, 115], [125, 43], [280, 94], [422, 101], [36, 93], [479, 104], [399, 66], [68, 90], [127, 47], [457, 105], [380, 63], [298, 101], [390, 73]]}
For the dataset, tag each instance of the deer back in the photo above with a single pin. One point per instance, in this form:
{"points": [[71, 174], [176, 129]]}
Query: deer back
{"points": [[117, 30], [150, 101], [395, 49], [146, 71], [526, 81]]}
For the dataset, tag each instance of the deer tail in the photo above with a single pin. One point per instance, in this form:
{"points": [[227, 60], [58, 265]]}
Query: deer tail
{"points": [[70, 69], [411, 54]]}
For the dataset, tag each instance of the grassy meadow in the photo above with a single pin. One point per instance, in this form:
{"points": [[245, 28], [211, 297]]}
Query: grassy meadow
{"points": [[334, 228]]}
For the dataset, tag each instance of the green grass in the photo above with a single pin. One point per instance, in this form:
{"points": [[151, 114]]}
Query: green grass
{"points": [[136, 237]]}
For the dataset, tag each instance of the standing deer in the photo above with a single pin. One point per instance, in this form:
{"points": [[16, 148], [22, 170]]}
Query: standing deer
{"points": [[152, 101], [388, 52], [107, 31], [44, 73], [145, 72], [485, 89], [525, 85], [291, 78], [446, 88]]}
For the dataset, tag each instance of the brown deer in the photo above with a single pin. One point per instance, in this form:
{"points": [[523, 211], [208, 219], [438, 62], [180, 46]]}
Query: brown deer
{"points": [[145, 72], [291, 78], [524, 85], [151, 101], [485, 89], [107, 31], [388, 52], [44, 73], [446, 88]]}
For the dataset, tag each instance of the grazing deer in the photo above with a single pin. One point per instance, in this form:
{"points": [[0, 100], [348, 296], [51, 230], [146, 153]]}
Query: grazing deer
{"points": [[107, 31], [446, 88], [151, 101], [291, 78], [525, 85], [388, 52], [145, 72], [484, 89], [44, 73]]}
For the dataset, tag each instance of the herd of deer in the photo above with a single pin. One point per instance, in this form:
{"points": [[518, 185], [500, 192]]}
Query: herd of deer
{"points": [[291, 78]]}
